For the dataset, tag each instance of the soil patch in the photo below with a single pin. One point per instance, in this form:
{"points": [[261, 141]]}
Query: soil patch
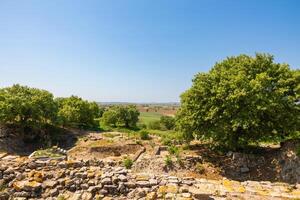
{"points": [[114, 150]]}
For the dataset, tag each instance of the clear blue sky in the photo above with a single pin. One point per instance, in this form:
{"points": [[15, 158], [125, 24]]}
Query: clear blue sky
{"points": [[137, 50]]}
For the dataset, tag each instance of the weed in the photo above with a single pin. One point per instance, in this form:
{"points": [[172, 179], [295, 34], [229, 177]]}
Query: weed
{"points": [[200, 168], [168, 161], [167, 141], [186, 147], [127, 163], [139, 142], [3, 187], [173, 150], [110, 135], [152, 144], [61, 197], [144, 135]]}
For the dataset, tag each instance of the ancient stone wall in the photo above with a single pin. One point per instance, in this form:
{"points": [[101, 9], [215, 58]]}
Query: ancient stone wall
{"points": [[48, 179]]}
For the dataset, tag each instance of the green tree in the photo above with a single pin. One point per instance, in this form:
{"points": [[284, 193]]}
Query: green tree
{"points": [[27, 108], [76, 112], [121, 116], [132, 116], [110, 117], [241, 99], [167, 122]]}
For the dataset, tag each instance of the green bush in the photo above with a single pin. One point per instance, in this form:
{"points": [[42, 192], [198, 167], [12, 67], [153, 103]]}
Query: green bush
{"points": [[167, 141], [298, 150], [144, 135], [127, 163], [154, 125], [142, 126], [173, 150], [139, 142], [167, 122], [200, 168], [168, 161]]}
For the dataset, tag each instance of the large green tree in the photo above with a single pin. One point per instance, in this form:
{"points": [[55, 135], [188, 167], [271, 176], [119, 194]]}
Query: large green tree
{"points": [[242, 99], [26, 107], [121, 116], [76, 112]]}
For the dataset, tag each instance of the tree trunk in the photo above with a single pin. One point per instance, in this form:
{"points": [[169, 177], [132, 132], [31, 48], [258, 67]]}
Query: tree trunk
{"points": [[234, 143]]}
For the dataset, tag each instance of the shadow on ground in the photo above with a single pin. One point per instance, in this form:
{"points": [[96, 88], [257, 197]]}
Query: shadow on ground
{"points": [[264, 164]]}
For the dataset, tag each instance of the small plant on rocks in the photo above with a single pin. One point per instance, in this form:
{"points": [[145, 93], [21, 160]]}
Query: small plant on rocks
{"points": [[168, 161], [139, 142], [2, 187], [61, 197], [167, 141], [144, 135], [200, 168], [128, 163], [173, 150]]}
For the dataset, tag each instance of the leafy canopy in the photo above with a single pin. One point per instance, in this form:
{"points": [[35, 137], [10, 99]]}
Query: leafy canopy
{"points": [[27, 107], [242, 99], [121, 116], [78, 113], [167, 122]]}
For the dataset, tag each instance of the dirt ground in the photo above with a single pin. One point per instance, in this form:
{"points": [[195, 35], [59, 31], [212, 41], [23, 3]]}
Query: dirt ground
{"points": [[114, 146]]}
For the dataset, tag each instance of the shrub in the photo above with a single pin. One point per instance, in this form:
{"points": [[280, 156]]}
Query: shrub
{"points": [[3, 186], [139, 142], [128, 163], [61, 197], [142, 126], [168, 161], [167, 141], [240, 100], [298, 150], [154, 125], [144, 135], [167, 122], [173, 150], [200, 168]]}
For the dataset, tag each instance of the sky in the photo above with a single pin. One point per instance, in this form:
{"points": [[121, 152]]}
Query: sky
{"points": [[137, 50]]}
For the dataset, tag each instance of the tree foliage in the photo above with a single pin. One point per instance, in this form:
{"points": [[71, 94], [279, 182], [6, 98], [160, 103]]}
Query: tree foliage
{"points": [[121, 116], [242, 99], [76, 112], [27, 107], [167, 122]]}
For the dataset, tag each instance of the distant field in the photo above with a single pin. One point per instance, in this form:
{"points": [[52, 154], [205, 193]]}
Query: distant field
{"points": [[147, 117]]}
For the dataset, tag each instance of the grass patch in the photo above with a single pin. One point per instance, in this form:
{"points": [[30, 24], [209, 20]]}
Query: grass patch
{"points": [[168, 137], [147, 117], [100, 143], [46, 153], [110, 135]]}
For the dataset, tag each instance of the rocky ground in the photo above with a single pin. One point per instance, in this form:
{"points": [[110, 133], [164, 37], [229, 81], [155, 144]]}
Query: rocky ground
{"points": [[93, 169], [53, 179]]}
